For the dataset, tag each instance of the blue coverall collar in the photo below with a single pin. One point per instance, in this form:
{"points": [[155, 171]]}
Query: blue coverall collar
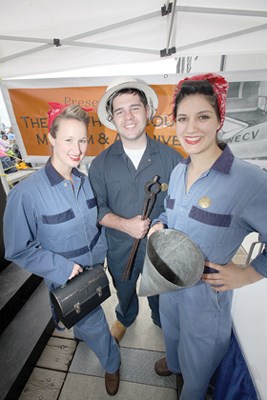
{"points": [[222, 164], [54, 177]]}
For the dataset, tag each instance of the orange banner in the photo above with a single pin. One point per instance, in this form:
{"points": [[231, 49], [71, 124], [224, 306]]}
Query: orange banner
{"points": [[31, 105]]}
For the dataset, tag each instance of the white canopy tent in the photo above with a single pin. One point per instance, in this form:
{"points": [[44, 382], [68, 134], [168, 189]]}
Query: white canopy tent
{"points": [[49, 36]]}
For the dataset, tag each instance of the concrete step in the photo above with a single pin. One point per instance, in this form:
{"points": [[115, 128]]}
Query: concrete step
{"points": [[16, 286], [23, 341]]}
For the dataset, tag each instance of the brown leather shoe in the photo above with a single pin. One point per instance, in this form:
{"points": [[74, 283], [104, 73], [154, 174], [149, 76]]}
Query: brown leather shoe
{"points": [[161, 368], [118, 330], [112, 382]]}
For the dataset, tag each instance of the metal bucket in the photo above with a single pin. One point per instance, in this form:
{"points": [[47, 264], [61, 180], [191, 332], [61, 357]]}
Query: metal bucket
{"points": [[172, 262]]}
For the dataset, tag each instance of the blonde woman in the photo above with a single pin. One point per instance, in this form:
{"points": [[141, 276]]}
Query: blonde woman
{"points": [[54, 231]]}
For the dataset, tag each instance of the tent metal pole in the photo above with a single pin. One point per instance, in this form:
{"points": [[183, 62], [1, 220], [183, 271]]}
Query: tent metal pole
{"points": [[169, 9], [171, 26], [222, 37], [223, 62]]}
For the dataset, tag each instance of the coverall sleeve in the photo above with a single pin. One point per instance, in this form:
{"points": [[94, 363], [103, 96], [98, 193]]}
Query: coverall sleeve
{"points": [[254, 215], [98, 183], [21, 240]]}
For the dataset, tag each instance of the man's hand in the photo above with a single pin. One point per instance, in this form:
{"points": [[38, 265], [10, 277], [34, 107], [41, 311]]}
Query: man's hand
{"points": [[77, 269], [136, 226], [230, 276]]}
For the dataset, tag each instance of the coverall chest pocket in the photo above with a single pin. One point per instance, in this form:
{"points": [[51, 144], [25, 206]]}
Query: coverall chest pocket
{"points": [[54, 226], [59, 218], [214, 226]]}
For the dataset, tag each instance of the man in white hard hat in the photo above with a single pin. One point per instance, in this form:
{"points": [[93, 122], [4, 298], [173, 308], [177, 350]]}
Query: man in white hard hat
{"points": [[118, 176]]}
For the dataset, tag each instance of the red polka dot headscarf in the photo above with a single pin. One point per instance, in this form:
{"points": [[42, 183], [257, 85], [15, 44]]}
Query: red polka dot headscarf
{"points": [[220, 87], [56, 109]]}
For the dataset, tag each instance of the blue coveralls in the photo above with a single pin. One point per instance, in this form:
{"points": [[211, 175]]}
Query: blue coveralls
{"points": [[49, 225], [119, 189], [196, 321]]}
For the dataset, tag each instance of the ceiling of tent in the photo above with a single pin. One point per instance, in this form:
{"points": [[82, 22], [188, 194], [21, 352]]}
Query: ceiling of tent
{"points": [[42, 36]]}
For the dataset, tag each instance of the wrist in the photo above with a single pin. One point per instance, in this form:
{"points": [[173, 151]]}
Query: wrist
{"points": [[251, 275], [124, 223]]}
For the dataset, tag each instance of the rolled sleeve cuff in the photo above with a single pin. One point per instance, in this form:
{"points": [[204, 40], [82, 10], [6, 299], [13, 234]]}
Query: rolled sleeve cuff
{"points": [[102, 212], [260, 263]]}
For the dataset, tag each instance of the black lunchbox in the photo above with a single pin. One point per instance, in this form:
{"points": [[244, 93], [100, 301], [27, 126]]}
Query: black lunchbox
{"points": [[80, 295]]}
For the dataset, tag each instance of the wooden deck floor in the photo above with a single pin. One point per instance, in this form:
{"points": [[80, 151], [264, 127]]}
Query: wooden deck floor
{"points": [[50, 372]]}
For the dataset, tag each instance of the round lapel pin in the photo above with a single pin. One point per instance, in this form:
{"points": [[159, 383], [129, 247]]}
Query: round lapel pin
{"points": [[204, 202]]}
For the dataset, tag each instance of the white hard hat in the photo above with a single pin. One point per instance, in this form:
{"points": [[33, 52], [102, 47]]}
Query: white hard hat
{"points": [[125, 83]]}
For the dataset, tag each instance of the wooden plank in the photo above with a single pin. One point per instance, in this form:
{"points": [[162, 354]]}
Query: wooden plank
{"points": [[43, 384], [57, 354], [67, 333], [84, 387]]}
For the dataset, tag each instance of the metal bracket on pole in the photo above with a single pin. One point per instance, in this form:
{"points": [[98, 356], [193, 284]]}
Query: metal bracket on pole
{"points": [[165, 10], [56, 42], [167, 52]]}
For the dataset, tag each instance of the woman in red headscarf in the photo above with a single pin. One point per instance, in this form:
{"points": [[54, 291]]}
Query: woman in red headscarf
{"points": [[215, 199]]}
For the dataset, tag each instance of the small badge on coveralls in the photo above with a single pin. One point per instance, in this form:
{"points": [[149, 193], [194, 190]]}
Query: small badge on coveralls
{"points": [[204, 202]]}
